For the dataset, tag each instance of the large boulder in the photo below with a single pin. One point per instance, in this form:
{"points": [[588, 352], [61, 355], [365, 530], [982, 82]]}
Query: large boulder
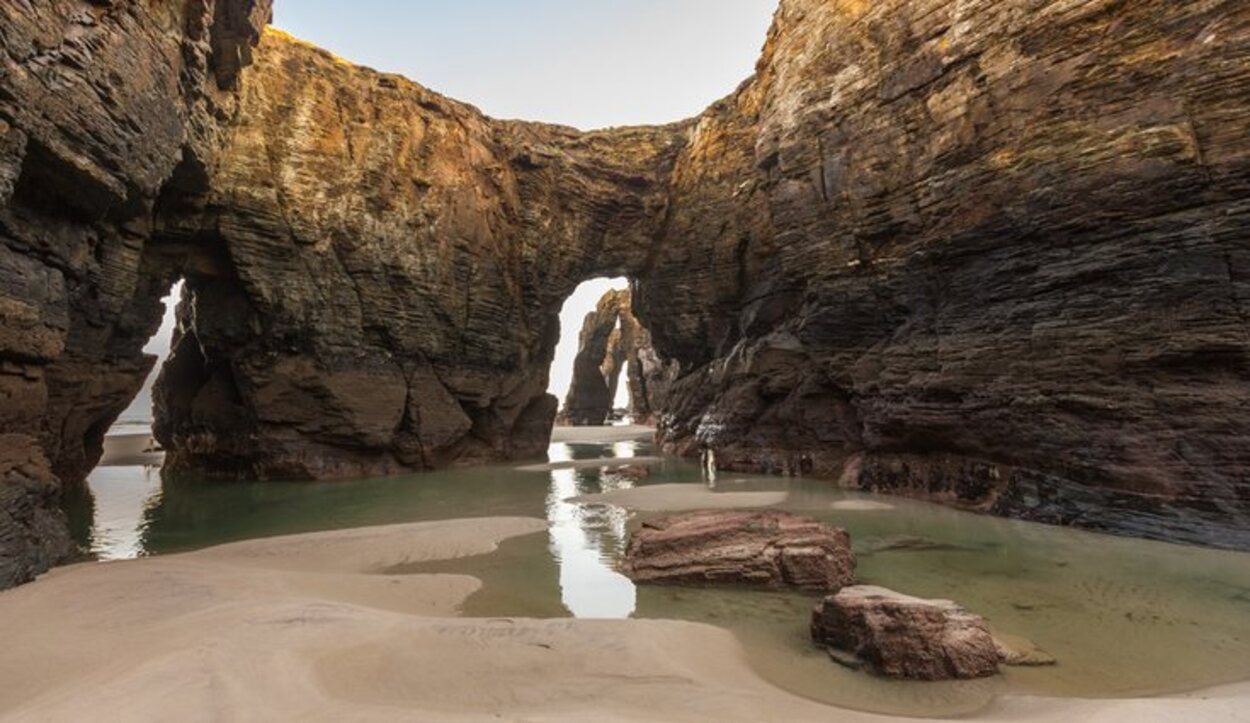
{"points": [[900, 636], [761, 549]]}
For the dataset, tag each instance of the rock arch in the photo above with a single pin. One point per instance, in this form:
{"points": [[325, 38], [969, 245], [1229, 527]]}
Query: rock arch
{"points": [[989, 252]]}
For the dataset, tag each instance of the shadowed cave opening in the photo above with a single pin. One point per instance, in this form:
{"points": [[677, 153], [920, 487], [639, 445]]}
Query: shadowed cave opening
{"points": [[605, 371], [106, 512]]}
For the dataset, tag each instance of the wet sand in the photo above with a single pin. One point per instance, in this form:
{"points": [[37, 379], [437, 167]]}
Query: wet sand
{"points": [[601, 435], [680, 498], [350, 625], [314, 627], [132, 449]]}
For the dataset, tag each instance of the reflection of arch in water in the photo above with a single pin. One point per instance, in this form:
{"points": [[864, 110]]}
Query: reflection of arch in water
{"points": [[585, 539]]}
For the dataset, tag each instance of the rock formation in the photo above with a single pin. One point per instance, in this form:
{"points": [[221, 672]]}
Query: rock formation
{"points": [[613, 344], [648, 374], [905, 637], [991, 253], [596, 370], [33, 534], [390, 269], [104, 107], [759, 549]]}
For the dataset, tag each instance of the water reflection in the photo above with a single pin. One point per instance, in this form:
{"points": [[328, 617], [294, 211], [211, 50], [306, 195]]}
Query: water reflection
{"points": [[1124, 617], [585, 540], [119, 517]]}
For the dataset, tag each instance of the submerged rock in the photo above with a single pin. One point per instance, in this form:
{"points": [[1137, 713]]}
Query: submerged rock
{"points": [[759, 549], [1020, 652], [899, 636], [632, 471]]}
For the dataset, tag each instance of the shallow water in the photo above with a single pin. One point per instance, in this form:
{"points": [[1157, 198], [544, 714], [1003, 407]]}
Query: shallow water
{"points": [[1123, 617]]}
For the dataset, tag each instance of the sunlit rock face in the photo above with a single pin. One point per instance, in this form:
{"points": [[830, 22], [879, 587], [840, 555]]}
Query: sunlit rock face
{"points": [[995, 254], [613, 345], [392, 268], [992, 253], [597, 366], [99, 104]]}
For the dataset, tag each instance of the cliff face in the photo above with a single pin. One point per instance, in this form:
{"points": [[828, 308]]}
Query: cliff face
{"points": [[389, 272], [597, 367], [99, 103], [992, 253], [614, 344], [989, 253]]}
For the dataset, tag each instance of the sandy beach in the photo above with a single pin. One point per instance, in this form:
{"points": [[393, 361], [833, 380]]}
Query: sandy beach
{"points": [[139, 449], [601, 435], [131, 449], [313, 627]]}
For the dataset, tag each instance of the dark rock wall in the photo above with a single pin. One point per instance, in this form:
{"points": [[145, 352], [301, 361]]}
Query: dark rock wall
{"points": [[597, 367], [992, 253], [99, 103], [995, 254], [393, 265]]}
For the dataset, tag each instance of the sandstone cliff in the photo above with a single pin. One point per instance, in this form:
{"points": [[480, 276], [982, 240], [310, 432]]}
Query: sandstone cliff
{"points": [[99, 103], [992, 253], [387, 272]]}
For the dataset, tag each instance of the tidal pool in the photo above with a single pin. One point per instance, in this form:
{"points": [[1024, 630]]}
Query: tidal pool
{"points": [[1122, 617]]}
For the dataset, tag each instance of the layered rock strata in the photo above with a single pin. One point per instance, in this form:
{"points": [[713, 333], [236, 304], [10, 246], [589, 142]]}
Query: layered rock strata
{"points": [[103, 107], [993, 254], [390, 272], [899, 636], [775, 550]]}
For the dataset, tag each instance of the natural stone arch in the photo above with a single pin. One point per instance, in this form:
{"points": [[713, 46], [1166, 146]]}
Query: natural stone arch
{"points": [[930, 249], [397, 264], [613, 345]]}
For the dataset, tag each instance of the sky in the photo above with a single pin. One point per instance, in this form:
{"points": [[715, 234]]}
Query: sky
{"points": [[584, 63], [581, 303]]}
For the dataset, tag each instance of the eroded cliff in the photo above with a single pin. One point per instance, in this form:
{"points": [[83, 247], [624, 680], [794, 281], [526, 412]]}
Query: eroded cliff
{"points": [[392, 266], [993, 253], [99, 103]]}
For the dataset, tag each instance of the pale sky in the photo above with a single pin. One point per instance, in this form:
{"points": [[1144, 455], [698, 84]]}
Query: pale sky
{"points": [[585, 63]]}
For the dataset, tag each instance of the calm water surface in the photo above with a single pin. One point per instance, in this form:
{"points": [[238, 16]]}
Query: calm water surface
{"points": [[1123, 617]]}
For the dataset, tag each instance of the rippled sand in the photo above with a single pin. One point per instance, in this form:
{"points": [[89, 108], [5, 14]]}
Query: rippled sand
{"points": [[318, 627]]}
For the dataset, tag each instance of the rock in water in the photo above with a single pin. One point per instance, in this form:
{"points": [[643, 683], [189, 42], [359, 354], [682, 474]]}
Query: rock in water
{"points": [[900, 636], [993, 253], [761, 549], [595, 369]]}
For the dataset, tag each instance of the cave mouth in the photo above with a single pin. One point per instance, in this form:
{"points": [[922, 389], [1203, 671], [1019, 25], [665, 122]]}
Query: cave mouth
{"points": [[105, 512], [139, 417], [604, 361]]}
